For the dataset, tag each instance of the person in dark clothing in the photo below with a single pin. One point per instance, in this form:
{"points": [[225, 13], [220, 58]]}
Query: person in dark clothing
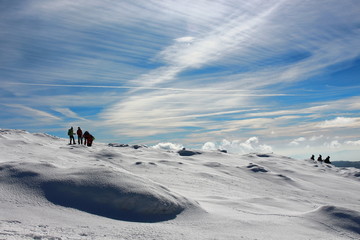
{"points": [[327, 160], [320, 158], [71, 135], [80, 135], [312, 157], [86, 137], [90, 140]]}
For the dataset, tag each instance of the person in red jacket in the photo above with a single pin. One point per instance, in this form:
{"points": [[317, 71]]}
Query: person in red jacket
{"points": [[88, 138], [80, 135]]}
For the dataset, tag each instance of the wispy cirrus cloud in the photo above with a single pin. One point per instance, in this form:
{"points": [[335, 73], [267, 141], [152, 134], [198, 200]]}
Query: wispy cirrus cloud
{"points": [[68, 113], [35, 114], [189, 70]]}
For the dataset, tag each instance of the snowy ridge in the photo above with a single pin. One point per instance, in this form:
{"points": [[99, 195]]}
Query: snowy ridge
{"points": [[117, 195], [52, 190]]}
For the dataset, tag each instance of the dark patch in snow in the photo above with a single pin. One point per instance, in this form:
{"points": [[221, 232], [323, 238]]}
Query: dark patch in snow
{"points": [[118, 145], [263, 155], [106, 154], [126, 145], [284, 177], [256, 168], [213, 164], [187, 153], [138, 146], [18, 172], [170, 162]]}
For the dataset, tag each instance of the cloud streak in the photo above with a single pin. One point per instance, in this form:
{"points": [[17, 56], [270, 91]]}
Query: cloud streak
{"points": [[186, 70]]}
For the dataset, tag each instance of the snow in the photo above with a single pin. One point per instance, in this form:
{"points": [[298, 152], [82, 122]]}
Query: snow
{"points": [[52, 190]]}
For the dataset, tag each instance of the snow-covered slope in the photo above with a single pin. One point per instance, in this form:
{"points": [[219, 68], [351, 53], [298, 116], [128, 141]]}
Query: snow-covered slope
{"points": [[51, 190]]}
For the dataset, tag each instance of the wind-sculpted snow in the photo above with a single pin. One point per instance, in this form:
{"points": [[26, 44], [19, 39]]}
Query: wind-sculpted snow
{"points": [[113, 194], [336, 218], [52, 190]]}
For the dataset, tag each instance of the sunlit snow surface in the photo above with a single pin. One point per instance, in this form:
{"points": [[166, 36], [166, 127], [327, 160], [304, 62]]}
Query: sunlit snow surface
{"points": [[52, 190]]}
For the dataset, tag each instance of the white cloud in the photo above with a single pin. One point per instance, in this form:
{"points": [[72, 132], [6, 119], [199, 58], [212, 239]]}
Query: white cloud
{"points": [[237, 146], [339, 122], [353, 143], [209, 146], [185, 40], [265, 148], [315, 138], [333, 144], [297, 141], [168, 146]]}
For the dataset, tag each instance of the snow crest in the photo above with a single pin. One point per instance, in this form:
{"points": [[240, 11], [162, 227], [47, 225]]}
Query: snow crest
{"points": [[337, 218], [114, 194]]}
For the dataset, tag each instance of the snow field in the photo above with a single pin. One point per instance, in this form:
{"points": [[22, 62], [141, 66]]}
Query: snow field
{"points": [[51, 190]]}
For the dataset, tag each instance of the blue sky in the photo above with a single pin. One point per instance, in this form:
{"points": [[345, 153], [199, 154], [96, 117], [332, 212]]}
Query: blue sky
{"points": [[247, 76]]}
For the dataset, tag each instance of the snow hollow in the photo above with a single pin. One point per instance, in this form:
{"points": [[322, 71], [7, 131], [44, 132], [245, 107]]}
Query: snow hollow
{"points": [[52, 190]]}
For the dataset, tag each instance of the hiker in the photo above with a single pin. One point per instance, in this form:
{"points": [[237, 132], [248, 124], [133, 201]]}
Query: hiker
{"points": [[320, 158], [71, 135], [80, 135], [327, 160], [312, 157], [90, 140], [86, 136]]}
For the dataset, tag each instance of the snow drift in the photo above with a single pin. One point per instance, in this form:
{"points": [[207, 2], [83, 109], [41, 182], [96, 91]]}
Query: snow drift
{"points": [[52, 190], [113, 194], [100, 190], [337, 218]]}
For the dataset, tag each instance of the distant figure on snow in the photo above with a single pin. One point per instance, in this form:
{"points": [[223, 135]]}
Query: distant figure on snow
{"points": [[327, 160], [86, 136], [71, 135], [80, 135], [312, 157], [88, 139], [320, 158]]}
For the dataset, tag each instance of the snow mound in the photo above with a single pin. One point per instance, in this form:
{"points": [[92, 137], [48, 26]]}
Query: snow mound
{"points": [[337, 218], [114, 194]]}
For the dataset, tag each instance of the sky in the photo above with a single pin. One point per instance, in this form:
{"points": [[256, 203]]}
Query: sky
{"points": [[246, 76]]}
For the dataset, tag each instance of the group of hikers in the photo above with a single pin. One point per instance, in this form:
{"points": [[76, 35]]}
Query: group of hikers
{"points": [[319, 159], [85, 138]]}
